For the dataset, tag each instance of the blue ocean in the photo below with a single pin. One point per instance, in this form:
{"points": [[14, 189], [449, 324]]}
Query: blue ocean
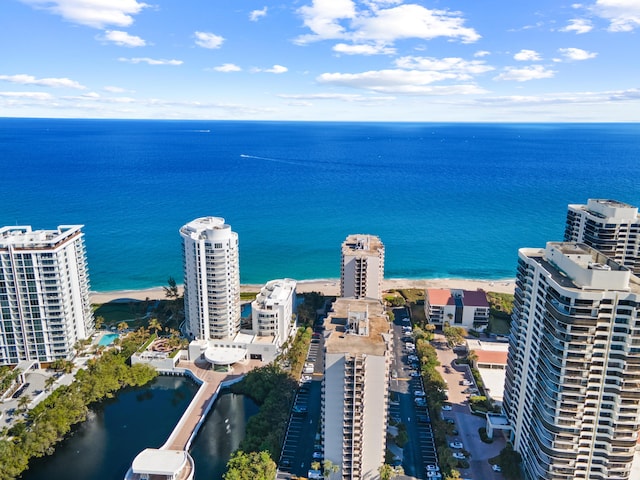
{"points": [[447, 200]]}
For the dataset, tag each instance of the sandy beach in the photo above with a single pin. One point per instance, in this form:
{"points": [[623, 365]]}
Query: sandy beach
{"points": [[326, 287]]}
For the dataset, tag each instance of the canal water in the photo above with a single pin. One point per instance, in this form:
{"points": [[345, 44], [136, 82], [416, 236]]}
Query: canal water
{"points": [[103, 447]]}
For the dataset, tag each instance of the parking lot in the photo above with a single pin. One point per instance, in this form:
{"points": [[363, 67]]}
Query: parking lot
{"points": [[466, 424], [302, 444]]}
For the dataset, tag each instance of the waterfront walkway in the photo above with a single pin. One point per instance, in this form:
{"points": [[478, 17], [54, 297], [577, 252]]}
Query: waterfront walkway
{"points": [[193, 417]]}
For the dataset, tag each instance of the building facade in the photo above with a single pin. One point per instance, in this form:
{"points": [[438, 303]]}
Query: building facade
{"points": [[44, 293], [355, 388], [609, 226], [458, 308], [362, 267], [273, 310], [211, 279], [572, 388]]}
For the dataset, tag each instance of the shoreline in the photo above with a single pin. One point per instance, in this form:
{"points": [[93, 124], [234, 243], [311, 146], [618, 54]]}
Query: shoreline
{"points": [[328, 287]]}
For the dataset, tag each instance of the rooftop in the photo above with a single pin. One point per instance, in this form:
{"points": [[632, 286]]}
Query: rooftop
{"points": [[338, 341], [23, 237], [274, 293], [159, 462], [362, 243]]}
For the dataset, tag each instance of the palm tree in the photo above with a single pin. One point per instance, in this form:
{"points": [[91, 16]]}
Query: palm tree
{"points": [[99, 322], [48, 383], [386, 471], [122, 326], [155, 325], [23, 402], [329, 468]]}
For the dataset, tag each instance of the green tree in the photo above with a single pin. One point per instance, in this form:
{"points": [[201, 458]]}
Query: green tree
{"points": [[454, 335], [23, 402], [48, 383], [155, 325], [171, 291], [329, 468], [99, 322], [122, 326], [386, 471], [250, 466]]}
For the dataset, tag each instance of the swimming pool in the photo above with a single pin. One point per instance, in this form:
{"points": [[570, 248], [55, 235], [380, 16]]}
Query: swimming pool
{"points": [[107, 339]]}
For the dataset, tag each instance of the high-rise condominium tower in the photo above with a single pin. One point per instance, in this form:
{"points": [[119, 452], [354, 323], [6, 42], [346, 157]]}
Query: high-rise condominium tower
{"points": [[362, 269], [572, 389], [609, 226], [44, 293], [211, 279]]}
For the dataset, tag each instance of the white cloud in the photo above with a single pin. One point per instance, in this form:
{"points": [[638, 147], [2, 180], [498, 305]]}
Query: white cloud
{"points": [[112, 89], [150, 61], [256, 14], [481, 53], [578, 25], [208, 40], [277, 69], [533, 72], [323, 19], [23, 79], [123, 39], [227, 67], [576, 54], [399, 81], [379, 49], [566, 98], [93, 13], [623, 15], [412, 21], [27, 95], [339, 19], [462, 69], [344, 97], [527, 56]]}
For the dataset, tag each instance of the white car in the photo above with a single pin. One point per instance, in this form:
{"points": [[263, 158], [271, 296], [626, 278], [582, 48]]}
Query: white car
{"points": [[433, 468], [459, 456], [419, 393], [496, 468], [420, 401], [467, 383], [447, 408], [457, 445]]}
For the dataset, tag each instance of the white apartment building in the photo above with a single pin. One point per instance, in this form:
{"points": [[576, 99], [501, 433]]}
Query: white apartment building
{"points": [[211, 279], [355, 389], [458, 308], [44, 293], [362, 268], [273, 310], [609, 226], [572, 389]]}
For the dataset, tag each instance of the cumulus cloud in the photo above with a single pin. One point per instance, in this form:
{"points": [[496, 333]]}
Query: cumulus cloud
{"points": [[27, 95], [227, 67], [363, 49], [150, 61], [576, 54], [565, 98], [344, 97], [533, 72], [23, 79], [112, 89], [208, 40], [481, 53], [92, 13], [623, 15], [578, 25], [462, 69], [400, 81], [255, 15], [275, 69], [527, 56], [123, 39], [374, 23]]}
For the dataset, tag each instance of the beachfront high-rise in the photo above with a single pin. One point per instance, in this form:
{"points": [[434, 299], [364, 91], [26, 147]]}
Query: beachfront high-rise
{"points": [[609, 226], [44, 293], [362, 268], [355, 390], [273, 310], [211, 279], [572, 389]]}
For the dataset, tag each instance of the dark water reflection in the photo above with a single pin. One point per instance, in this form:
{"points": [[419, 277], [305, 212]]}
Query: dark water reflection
{"points": [[103, 447]]}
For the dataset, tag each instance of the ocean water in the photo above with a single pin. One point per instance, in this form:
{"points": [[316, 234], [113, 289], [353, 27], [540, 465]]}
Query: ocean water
{"points": [[447, 200]]}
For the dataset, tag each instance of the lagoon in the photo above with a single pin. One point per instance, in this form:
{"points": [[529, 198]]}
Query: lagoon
{"points": [[103, 447]]}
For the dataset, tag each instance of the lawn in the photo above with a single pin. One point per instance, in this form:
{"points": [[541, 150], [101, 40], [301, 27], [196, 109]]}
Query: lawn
{"points": [[499, 326]]}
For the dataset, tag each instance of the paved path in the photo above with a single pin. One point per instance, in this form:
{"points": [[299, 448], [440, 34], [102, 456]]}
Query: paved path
{"points": [[200, 404]]}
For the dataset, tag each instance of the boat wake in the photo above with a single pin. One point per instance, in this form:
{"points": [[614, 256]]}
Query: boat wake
{"points": [[277, 160]]}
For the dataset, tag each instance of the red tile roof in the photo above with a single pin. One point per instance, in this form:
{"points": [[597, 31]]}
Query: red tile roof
{"points": [[491, 357], [439, 296]]}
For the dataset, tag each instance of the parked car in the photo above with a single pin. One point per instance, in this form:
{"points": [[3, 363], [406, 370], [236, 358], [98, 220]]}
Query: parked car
{"points": [[433, 468], [447, 408], [299, 409], [496, 468], [420, 401], [467, 383], [458, 456], [317, 455], [457, 445]]}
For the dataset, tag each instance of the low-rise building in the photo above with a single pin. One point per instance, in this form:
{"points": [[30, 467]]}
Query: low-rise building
{"points": [[458, 308]]}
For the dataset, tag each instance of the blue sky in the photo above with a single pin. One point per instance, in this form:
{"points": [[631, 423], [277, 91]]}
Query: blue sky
{"points": [[379, 60]]}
